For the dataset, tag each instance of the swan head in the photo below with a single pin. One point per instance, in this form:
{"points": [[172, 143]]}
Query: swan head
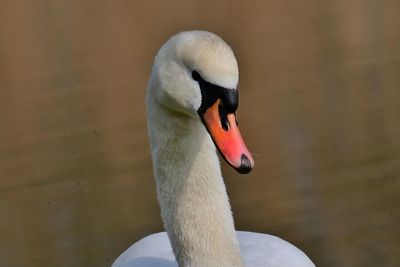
{"points": [[197, 74]]}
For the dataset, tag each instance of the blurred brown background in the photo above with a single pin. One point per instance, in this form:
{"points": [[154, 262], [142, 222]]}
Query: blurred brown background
{"points": [[320, 109]]}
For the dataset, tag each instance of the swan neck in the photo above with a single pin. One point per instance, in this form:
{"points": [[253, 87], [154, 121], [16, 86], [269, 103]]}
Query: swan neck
{"points": [[194, 204]]}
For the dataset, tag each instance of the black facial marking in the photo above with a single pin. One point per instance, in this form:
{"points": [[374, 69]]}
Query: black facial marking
{"points": [[223, 117], [211, 92], [196, 76]]}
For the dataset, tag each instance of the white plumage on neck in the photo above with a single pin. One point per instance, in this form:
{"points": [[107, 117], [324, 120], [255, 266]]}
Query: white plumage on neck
{"points": [[192, 195]]}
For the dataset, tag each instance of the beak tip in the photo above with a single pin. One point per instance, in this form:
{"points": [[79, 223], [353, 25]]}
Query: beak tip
{"points": [[245, 165]]}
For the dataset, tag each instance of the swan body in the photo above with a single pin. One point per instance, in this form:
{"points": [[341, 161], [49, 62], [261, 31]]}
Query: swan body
{"points": [[256, 249], [191, 105]]}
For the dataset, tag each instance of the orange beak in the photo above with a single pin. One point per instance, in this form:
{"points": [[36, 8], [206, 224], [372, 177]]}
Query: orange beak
{"points": [[226, 136]]}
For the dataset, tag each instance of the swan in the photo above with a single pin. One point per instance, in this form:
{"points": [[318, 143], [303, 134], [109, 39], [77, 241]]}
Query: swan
{"points": [[191, 104]]}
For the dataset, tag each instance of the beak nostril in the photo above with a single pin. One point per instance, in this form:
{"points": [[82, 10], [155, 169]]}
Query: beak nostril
{"points": [[223, 115]]}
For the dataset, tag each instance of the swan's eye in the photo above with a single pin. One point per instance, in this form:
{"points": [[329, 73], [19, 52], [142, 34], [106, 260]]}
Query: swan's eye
{"points": [[196, 76]]}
